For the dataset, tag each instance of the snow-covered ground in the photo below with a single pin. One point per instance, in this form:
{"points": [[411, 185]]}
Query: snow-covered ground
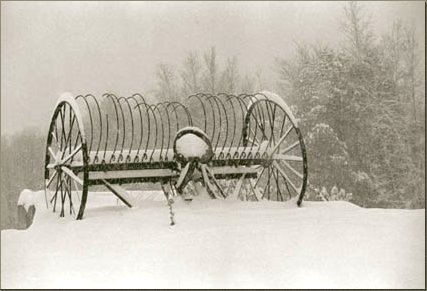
{"points": [[217, 244]]}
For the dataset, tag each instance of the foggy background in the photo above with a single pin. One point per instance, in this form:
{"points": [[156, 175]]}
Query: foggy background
{"points": [[93, 47], [48, 48]]}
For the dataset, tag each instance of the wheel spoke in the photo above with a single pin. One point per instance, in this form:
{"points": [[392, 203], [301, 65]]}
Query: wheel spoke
{"points": [[55, 136], [253, 142], [271, 123], [287, 157], [52, 153], [65, 144], [50, 179], [75, 151], [72, 175], [62, 200], [259, 177], [259, 125], [257, 195], [55, 196], [289, 148], [287, 188], [77, 190], [68, 139], [255, 138], [268, 182], [62, 126], [293, 170], [282, 139], [277, 166], [57, 185], [276, 176], [77, 139], [69, 194]]}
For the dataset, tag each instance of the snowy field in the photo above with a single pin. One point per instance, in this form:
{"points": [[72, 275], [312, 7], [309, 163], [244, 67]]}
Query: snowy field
{"points": [[217, 244]]}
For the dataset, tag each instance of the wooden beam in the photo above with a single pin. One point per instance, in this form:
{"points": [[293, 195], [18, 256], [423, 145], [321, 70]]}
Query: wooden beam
{"points": [[164, 173], [119, 192]]}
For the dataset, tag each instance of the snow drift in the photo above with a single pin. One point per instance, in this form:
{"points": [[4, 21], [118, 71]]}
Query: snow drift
{"points": [[216, 244]]}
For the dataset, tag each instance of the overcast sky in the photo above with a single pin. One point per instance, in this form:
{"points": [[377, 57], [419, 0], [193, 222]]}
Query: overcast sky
{"points": [[93, 47]]}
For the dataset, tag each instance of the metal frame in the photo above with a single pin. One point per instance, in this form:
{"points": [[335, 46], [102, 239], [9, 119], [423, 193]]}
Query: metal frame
{"points": [[255, 140]]}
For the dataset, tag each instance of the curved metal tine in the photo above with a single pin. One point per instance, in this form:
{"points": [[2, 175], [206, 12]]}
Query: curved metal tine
{"points": [[148, 108], [229, 98], [174, 107], [100, 121], [123, 125], [258, 113], [243, 109], [108, 96], [70, 125], [132, 125], [154, 107], [139, 105], [171, 133], [234, 119], [187, 112], [213, 117], [204, 110], [140, 119], [140, 97], [78, 131], [226, 118], [268, 103], [90, 118], [106, 138], [270, 120], [163, 105], [247, 121], [209, 97]]}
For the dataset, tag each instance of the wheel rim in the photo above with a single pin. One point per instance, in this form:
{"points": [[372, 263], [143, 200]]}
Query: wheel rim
{"points": [[283, 172], [66, 163]]}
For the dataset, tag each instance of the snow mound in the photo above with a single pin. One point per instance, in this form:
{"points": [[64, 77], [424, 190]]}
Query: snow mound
{"points": [[28, 198], [191, 146], [217, 244]]}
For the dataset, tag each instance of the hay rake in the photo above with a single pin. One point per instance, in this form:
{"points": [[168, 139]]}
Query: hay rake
{"points": [[252, 147]]}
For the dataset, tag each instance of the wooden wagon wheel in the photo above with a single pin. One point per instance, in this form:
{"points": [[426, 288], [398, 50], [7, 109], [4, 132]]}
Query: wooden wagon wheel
{"points": [[66, 173], [271, 127]]}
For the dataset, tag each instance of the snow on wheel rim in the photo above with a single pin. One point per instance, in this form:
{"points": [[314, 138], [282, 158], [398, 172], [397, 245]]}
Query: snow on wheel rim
{"points": [[285, 162], [66, 160]]}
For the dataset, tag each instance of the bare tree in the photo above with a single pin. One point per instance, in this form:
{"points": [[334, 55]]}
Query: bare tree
{"points": [[210, 77], [191, 74], [356, 26], [230, 76], [167, 86]]}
